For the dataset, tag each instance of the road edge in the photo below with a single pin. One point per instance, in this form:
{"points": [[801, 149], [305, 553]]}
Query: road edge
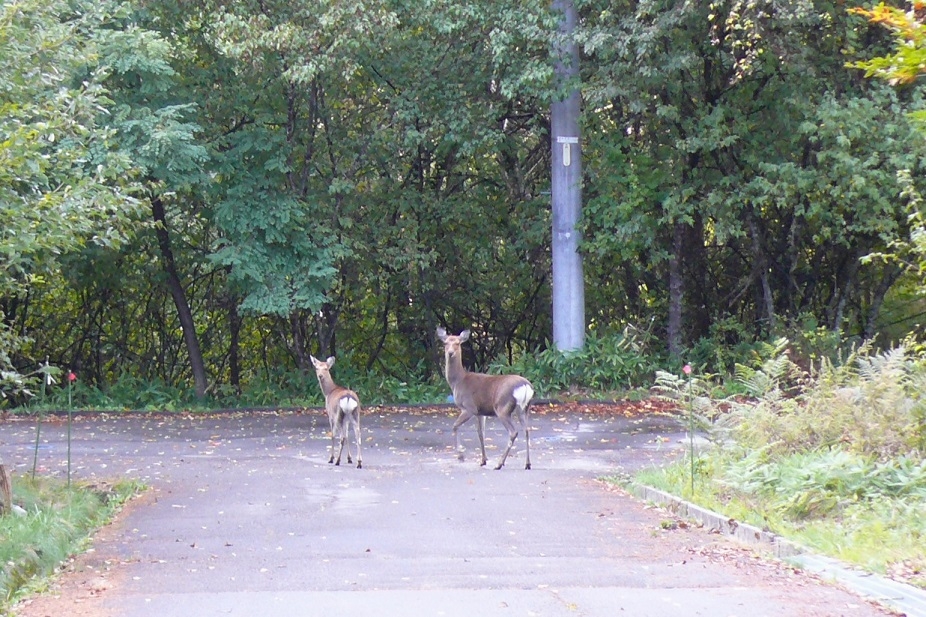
{"points": [[894, 595]]}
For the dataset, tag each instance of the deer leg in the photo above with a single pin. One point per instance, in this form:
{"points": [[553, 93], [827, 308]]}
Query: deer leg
{"points": [[481, 431], [512, 435], [462, 419], [342, 429], [355, 420], [345, 433], [525, 417], [334, 435]]}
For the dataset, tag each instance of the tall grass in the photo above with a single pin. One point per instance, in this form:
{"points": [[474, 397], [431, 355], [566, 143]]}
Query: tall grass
{"points": [[58, 521], [834, 457]]}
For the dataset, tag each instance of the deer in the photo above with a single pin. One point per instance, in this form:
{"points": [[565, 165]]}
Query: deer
{"points": [[343, 407], [478, 395]]}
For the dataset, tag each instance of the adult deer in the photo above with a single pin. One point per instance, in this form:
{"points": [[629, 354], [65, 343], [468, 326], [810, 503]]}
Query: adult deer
{"points": [[343, 407], [479, 395]]}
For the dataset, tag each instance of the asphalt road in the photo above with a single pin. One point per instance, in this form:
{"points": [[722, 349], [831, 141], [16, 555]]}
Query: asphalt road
{"points": [[246, 517]]}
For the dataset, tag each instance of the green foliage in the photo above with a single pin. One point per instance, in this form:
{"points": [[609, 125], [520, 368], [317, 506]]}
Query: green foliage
{"points": [[609, 362], [909, 252], [903, 65], [279, 265], [759, 184], [14, 386], [278, 389], [729, 342], [386, 389], [58, 522], [731, 348], [908, 59], [63, 182], [848, 506], [126, 393], [815, 484], [695, 397], [872, 405], [834, 459], [345, 181]]}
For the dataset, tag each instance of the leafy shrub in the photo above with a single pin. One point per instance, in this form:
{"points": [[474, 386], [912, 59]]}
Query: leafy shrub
{"points": [[695, 395], [608, 362], [379, 389], [728, 343], [277, 388], [731, 343], [813, 484], [872, 405], [58, 519], [128, 392], [832, 458], [813, 344], [707, 398]]}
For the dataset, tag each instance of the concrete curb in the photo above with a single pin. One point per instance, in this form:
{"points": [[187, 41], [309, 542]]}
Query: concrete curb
{"points": [[909, 600]]}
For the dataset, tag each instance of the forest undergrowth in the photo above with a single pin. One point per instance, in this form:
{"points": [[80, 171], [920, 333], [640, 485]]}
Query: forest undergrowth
{"points": [[54, 520], [832, 456]]}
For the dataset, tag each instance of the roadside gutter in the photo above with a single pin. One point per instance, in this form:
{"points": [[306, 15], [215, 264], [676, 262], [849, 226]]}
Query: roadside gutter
{"points": [[898, 596]]}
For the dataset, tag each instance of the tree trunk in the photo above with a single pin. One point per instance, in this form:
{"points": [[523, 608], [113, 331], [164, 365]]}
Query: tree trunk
{"points": [[6, 491], [676, 291], [846, 282], [695, 270], [890, 276], [179, 296], [234, 346], [761, 272], [297, 329]]}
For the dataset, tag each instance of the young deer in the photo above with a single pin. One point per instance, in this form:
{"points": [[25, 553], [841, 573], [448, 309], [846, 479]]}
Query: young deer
{"points": [[343, 407], [479, 395]]}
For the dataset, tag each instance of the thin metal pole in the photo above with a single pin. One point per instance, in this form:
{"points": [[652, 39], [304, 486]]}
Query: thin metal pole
{"points": [[566, 150]]}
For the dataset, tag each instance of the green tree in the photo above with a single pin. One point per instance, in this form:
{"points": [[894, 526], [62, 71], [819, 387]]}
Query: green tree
{"points": [[751, 180], [63, 182], [408, 165], [903, 66], [152, 122], [907, 61]]}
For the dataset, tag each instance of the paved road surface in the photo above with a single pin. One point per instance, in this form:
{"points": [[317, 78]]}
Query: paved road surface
{"points": [[246, 517]]}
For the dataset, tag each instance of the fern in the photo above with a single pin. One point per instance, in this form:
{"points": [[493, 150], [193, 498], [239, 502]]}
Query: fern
{"points": [[695, 396], [872, 405]]}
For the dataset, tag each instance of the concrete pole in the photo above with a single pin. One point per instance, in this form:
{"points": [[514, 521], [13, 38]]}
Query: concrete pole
{"points": [[568, 282]]}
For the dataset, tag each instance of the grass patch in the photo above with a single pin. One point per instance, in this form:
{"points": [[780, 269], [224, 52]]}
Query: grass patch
{"points": [[880, 532], [833, 459], [57, 523]]}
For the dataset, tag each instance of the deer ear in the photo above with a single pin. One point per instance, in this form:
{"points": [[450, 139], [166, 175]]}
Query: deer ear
{"points": [[464, 336], [330, 361], [441, 333], [314, 359]]}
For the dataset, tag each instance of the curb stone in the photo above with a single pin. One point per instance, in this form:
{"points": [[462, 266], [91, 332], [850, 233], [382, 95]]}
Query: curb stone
{"points": [[909, 600]]}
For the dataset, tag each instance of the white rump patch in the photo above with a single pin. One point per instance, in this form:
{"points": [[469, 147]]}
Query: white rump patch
{"points": [[523, 395], [348, 404]]}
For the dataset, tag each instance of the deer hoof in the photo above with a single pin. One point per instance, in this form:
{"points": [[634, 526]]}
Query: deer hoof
{"points": [[330, 460], [528, 466], [359, 464], [337, 462]]}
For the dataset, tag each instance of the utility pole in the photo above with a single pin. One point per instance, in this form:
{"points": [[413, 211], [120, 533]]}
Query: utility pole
{"points": [[568, 282]]}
